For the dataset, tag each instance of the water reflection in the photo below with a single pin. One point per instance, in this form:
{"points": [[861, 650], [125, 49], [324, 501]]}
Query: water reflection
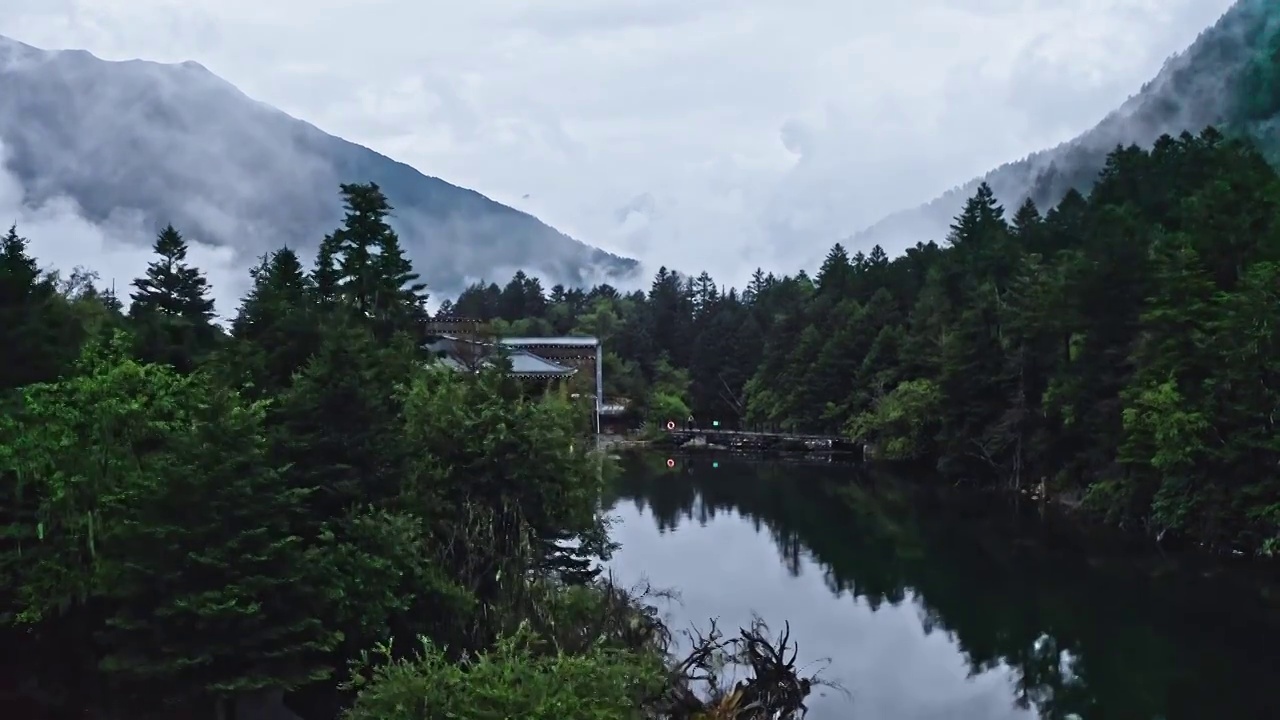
{"points": [[935, 606]]}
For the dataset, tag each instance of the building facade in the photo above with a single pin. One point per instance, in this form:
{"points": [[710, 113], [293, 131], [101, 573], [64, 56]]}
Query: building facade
{"points": [[575, 359]]}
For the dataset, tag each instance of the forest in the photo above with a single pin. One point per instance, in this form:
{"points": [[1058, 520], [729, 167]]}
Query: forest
{"points": [[197, 521], [1118, 351], [302, 501]]}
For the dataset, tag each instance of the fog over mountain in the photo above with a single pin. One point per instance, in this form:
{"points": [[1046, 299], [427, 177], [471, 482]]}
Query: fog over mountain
{"points": [[118, 149], [722, 135], [684, 145], [1226, 78]]}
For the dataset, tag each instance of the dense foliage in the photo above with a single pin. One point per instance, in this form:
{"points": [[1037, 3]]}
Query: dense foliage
{"points": [[191, 517], [1120, 348]]}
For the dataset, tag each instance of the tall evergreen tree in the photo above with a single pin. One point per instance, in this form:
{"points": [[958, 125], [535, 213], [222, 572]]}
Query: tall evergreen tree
{"points": [[38, 336], [363, 263], [326, 280], [171, 307], [401, 301], [278, 325]]}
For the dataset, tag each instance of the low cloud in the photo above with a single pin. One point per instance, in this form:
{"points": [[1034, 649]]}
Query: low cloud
{"points": [[61, 239], [761, 131]]}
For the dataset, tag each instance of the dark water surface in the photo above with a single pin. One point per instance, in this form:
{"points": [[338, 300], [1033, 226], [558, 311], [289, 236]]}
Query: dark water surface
{"points": [[936, 606]]}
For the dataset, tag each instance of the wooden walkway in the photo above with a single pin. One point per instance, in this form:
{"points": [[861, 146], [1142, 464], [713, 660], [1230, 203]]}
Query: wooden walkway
{"points": [[748, 440]]}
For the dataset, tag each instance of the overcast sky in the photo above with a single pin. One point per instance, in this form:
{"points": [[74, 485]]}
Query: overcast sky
{"points": [[722, 134]]}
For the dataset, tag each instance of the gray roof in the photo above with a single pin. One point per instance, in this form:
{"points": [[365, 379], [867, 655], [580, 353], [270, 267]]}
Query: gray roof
{"points": [[526, 363], [565, 341], [523, 362]]}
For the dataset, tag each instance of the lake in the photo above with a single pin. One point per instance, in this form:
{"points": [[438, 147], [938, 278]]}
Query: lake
{"points": [[934, 604]]}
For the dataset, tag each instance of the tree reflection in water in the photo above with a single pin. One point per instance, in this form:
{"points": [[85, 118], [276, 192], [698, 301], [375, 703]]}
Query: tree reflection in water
{"points": [[1095, 626]]}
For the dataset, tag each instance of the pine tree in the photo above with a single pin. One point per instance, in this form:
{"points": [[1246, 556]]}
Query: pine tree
{"points": [[705, 295], [172, 308], [19, 269], [514, 303], [337, 419], [279, 283], [278, 326], [356, 243], [364, 264], [325, 278], [401, 300], [38, 335], [204, 555], [975, 219], [170, 287]]}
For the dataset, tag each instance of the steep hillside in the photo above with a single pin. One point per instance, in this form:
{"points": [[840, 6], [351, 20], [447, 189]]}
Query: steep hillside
{"points": [[1229, 77], [175, 143]]}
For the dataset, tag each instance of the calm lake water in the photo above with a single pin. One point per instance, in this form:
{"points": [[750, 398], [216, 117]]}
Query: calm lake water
{"points": [[939, 607]]}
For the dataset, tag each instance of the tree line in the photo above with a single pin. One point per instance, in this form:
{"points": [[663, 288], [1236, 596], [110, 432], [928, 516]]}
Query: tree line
{"points": [[303, 502], [1118, 350]]}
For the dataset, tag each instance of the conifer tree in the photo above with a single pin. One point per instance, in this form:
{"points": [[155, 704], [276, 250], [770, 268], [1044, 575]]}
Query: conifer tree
{"points": [[325, 278], [278, 325], [337, 419], [364, 264], [401, 300], [835, 275], [204, 553], [38, 336], [355, 244], [172, 308]]}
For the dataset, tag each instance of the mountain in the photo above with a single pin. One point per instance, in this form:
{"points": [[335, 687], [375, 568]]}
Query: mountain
{"points": [[161, 143], [1229, 77]]}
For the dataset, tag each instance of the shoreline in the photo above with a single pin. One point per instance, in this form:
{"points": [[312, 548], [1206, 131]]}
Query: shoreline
{"points": [[1067, 504]]}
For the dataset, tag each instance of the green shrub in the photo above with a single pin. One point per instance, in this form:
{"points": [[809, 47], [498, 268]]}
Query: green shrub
{"points": [[510, 681]]}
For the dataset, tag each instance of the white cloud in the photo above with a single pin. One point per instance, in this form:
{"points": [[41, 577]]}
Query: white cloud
{"points": [[118, 250], [753, 133]]}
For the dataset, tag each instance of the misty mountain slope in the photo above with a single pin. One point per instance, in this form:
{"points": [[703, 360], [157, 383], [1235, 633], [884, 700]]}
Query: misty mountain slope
{"points": [[138, 144], [1229, 77]]}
